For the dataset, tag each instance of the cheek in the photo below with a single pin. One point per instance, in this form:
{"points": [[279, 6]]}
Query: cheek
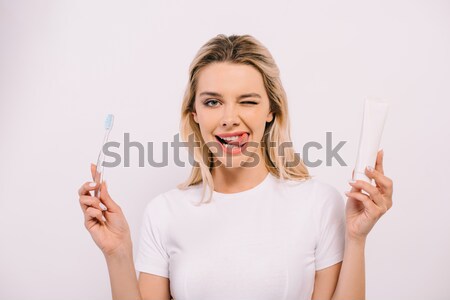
{"points": [[255, 119], [256, 114], [208, 119], [206, 123]]}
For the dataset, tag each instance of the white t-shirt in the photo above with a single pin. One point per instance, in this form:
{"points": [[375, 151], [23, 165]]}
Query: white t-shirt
{"points": [[264, 243]]}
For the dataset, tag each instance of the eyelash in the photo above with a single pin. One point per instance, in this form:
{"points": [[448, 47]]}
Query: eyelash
{"points": [[215, 100]]}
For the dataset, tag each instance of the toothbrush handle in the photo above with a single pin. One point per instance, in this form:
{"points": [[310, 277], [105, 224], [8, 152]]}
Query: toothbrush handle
{"points": [[98, 177], [99, 169]]}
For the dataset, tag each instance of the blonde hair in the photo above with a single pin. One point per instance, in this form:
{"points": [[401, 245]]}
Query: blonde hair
{"points": [[240, 49]]}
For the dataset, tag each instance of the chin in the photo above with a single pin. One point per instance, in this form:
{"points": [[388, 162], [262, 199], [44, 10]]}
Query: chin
{"points": [[237, 161]]}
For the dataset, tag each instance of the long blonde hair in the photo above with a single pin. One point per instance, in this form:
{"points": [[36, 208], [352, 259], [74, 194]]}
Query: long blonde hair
{"points": [[240, 49]]}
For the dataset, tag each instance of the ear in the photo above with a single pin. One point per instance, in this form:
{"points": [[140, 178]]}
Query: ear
{"points": [[269, 117], [194, 114]]}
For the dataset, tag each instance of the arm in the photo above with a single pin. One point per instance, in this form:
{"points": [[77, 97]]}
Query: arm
{"points": [[124, 285], [362, 212], [325, 282], [122, 274], [344, 280], [154, 287], [109, 230], [351, 283]]}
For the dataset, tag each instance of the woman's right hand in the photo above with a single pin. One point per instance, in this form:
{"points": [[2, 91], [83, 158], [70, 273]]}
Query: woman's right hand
{"points": [[111, 233]]}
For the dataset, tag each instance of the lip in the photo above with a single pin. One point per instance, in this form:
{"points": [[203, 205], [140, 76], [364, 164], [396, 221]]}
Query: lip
{"points": [[243, 137], [234, 150], [222, 135]]}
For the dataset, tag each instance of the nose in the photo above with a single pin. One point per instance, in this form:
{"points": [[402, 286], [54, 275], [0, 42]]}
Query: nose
{"points": [[230, 117]]}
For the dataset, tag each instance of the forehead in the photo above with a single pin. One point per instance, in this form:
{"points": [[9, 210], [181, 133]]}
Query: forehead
{"points": [[230, 78]]}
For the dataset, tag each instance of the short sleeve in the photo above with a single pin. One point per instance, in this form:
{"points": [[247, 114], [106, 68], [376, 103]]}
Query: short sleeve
{"points": [[331, 226], [152, 256]]}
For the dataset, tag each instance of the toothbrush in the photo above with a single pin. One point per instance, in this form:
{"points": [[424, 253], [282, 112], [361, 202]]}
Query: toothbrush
{"points": [[99, 173]]}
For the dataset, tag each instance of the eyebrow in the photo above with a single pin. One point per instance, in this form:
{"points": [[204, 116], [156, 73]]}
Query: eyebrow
{"points": [[240, 97]]}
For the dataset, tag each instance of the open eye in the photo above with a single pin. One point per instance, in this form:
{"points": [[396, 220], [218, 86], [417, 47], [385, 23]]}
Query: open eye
{"points": [[209, 101]]}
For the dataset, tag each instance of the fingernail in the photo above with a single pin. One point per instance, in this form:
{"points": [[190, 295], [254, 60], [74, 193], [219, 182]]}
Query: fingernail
{"points": [[369, 168], [103, 207], [103, 218], [351, 181], [92, 184], [347, 193]]}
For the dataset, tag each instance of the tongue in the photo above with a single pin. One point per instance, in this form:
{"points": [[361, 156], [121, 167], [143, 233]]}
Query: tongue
{"points": [[238, 142]]}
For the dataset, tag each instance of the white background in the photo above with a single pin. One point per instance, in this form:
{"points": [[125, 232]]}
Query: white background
{"points": [[64, 65]]}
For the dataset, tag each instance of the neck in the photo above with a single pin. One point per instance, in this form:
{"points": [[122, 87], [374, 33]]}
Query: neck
{"points": [[235, 180]]}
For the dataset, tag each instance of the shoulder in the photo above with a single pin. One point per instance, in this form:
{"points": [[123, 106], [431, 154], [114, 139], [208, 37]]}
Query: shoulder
{"points": [[319, 193], [325, 191], [328, 202], [168, 200], [314, 187]]}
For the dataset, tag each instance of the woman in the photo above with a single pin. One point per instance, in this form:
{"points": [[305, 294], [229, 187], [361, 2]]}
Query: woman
{"points": [[265, 229]]}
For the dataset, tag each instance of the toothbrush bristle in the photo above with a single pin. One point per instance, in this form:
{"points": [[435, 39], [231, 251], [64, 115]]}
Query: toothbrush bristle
{"points": [[109, 121]]}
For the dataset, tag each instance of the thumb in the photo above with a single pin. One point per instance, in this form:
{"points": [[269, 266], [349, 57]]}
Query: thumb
{"points": [[107, 200], [94, 172]]}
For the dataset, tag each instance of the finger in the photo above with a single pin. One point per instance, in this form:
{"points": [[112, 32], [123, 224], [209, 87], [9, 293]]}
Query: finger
{"points": [[86, 188], [371, 207], [373, 191], [106, 199], [95, 175], [93, 171], [353, 189], [93, 213], [385, 183], [379, 162], [87, 201]]}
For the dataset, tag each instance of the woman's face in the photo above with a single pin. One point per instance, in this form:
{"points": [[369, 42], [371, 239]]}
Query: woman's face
{"points": [[231, 100]]}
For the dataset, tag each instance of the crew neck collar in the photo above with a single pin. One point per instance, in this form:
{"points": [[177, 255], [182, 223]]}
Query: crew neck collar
{"points": [[258, 187]]}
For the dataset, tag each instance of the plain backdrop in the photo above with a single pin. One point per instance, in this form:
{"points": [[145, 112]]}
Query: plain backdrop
{"points": [[64, 65]]}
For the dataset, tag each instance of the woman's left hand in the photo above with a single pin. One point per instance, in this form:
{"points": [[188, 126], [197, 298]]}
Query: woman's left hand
{"points": [[362, 210]]}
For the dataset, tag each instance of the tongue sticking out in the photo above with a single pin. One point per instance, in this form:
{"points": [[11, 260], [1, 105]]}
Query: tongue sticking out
{"points": [[240, 141]]}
